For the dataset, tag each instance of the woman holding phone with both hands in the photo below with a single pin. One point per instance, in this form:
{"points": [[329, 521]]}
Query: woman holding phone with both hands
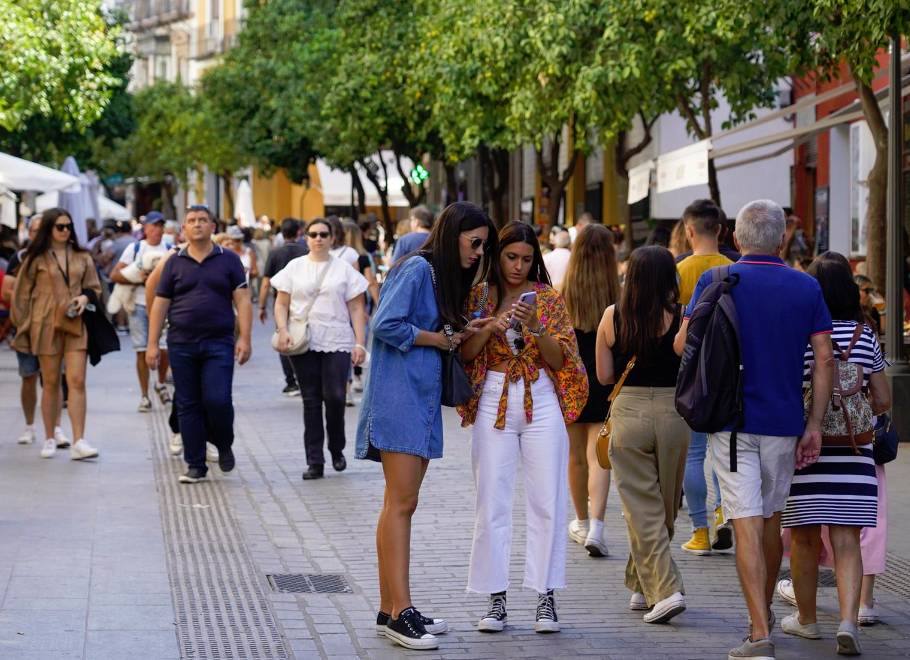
{"points": [[529, 383], [401, 425]]}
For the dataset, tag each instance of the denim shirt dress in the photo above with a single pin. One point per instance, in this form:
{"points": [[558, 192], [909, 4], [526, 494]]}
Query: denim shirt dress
{"points": [[401, 410]]}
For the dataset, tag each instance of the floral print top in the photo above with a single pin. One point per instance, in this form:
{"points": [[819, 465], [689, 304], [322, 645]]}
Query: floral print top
{"points": [[570, 382]]}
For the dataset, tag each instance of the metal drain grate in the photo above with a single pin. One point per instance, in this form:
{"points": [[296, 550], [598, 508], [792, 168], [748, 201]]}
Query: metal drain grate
{"points": [[300, 583], [826, 577], [219, 599], [897, 576]]}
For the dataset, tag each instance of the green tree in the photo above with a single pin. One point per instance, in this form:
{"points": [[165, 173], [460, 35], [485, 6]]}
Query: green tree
{"points": [[853, 33], [54, 59]]}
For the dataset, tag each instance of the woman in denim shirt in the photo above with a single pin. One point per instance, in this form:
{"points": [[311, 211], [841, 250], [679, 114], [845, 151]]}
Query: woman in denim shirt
{"points": [[401, 418]]}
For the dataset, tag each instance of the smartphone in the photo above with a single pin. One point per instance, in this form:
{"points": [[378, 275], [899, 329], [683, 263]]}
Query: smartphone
{"points": [[529, 297]]}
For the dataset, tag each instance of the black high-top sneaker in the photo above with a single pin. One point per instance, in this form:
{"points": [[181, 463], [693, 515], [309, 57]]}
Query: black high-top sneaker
{"points": [[408, 631], [495, 618], [432, 626], [547, 620]]}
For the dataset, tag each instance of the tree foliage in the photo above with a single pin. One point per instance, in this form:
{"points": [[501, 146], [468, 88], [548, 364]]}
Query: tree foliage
{"points": [[54, 62]]}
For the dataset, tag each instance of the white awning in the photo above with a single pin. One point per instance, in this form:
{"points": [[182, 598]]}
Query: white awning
{"points": [[107, 208], [19, 174]]}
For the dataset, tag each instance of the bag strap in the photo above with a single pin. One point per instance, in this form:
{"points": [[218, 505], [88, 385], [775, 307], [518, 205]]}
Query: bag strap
{"points": [[319, 281], [857, 333], [447, 328], [617, 388]]}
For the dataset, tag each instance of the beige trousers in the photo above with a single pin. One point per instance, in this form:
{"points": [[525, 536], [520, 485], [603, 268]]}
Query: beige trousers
{"points": [[648, 451]]}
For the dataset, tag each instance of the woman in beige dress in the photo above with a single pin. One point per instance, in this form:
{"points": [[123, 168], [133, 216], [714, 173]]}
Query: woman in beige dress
{"points": [[48, 303]]}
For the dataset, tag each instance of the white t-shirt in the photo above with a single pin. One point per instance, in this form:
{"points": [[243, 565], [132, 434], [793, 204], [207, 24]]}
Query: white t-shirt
{"points": [[557, 263], [345, 253], [146, 259], [329, 319]]}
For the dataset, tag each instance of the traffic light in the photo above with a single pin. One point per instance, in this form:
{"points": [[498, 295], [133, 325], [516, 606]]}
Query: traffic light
{"points": [[418, 175]]}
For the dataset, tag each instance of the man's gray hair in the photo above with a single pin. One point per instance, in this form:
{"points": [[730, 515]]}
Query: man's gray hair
{"points": [[760, 227], [562, 240]]}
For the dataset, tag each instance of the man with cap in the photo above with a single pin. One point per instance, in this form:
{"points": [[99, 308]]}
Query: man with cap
{"points": [[136, 262]]}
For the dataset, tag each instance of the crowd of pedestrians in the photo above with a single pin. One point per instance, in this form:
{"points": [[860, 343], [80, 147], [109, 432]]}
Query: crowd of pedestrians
{"points": [[562, 359]]}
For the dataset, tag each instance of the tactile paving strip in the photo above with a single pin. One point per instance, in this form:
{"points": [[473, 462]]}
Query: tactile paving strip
{"points": [[897, 576], [300, 583], [219, 599]]}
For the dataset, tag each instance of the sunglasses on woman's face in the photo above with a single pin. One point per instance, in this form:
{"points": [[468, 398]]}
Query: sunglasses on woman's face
{"points": [[477, 242], [318, 234], [63, 226], [868, 292]]}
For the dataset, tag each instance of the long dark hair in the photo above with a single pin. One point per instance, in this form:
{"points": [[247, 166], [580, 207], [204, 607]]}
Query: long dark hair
{"points": [[442, 250], [840, 290], [42, 242], [591, 283], [518, 232], [651, 289]]}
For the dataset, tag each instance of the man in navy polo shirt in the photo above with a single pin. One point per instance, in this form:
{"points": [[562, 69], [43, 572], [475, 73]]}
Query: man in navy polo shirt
{"points": [[199, 288], [781, 311]]}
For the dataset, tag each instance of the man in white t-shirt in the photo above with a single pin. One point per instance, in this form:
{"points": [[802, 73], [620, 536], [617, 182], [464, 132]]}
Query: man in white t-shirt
{"points": [[135, 264], [557, 260]]}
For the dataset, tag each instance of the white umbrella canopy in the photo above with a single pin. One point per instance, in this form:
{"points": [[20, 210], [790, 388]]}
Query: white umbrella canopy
{"points": [[20, 174], [107, 208], [83, 203], [243, 205]]}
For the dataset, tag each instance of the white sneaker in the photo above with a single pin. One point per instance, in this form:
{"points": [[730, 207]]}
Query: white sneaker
{"points": [[211, 453], [176, 444], [596, 547], [791, 625], [786, 592], [81, 449], [638, 602], [868, 616], [357, 384], [145, 405], [28, 436], [666, 609], [49, 448], [62, 441], [578, 530]]}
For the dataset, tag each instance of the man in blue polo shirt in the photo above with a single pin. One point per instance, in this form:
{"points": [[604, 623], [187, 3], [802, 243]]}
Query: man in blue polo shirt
{"points": [[199, 288], [780, 311]]}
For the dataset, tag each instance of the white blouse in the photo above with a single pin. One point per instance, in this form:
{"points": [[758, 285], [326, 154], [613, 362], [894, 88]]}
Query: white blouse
{"points": [[329, 319]]}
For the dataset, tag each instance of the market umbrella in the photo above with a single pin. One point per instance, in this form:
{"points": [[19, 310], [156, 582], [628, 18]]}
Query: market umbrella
{"points": [[82, 204], [243, 205], [107, 207]]}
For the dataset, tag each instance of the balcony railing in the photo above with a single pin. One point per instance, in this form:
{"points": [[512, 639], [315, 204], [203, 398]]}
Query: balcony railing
{"points": [[151, 13], [215, 37]]}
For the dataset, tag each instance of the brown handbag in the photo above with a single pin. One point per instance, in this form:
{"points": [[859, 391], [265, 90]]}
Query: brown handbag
{"points": [[65, 324], [603, 438]]}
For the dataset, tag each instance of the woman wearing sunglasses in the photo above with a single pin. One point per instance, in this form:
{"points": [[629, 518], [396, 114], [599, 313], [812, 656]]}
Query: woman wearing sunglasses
{"points": [[48, 303], [401, 417], [328, 293], [529, 382]]}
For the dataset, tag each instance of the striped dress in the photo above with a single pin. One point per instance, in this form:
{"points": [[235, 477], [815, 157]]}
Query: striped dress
{"points": [[840, 488]]}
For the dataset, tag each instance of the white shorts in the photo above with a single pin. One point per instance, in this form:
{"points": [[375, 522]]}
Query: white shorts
{"points": [[764, 469]]}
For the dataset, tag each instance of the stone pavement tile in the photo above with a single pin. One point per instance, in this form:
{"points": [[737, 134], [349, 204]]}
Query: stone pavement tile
{"points": [[132, 617], [42, 638], [47, 587], [118, 645], [12, 653], [62, 620], [46, 604]]}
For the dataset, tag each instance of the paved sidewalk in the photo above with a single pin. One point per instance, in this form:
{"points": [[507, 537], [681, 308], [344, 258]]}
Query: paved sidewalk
{"points": [[108, 570]]}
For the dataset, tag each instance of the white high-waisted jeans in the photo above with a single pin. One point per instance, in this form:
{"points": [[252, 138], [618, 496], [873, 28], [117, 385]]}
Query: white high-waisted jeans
{"points": [[542, 446]]}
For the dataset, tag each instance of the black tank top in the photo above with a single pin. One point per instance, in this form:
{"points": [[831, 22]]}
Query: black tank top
{"points": [[656, 369]]}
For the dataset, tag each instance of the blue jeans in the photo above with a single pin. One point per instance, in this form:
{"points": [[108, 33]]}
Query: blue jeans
{"points": [[203, 375], [694, 483]]}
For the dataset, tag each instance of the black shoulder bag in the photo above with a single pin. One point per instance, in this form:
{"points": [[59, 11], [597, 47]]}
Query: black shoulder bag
{"points": [[456, 387]]}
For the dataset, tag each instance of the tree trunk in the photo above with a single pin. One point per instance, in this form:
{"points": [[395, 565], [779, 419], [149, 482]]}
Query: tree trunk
{"points": [[168, 192], [228, 193], [451, 189], [551, 177], [407, 189], [878, 187], [713, 186], [383, 198], [495, 179], [360, 193]]}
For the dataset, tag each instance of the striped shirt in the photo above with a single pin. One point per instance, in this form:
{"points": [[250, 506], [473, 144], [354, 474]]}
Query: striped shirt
{"points": [[867, 351]]}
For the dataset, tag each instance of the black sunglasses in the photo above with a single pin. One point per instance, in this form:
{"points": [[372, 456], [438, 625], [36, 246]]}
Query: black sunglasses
{"points": [[318, 234], [477, 242], [868, 291], [64, 226]]}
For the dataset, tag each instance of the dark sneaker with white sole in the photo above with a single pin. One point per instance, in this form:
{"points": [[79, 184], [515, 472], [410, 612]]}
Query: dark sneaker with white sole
{"points": [[226, 460], [546, 621], [495, 618], [192, 476], [432, 626], [408, 631]]}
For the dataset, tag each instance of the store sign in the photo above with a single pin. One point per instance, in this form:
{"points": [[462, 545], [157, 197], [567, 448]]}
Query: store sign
{"points": [[684, 167], [640, 181]]}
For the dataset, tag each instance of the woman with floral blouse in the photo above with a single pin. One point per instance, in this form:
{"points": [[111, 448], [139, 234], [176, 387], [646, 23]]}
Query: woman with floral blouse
{"points": [[529, 382]]}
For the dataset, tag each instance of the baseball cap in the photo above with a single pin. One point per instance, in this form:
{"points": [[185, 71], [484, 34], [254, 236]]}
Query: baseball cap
{"points": [[153, 217], [235, 233]]}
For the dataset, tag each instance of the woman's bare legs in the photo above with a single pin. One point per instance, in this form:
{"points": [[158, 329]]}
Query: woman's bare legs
{"points": [[598, 478], [75, 379], [805, 546], [848, 566], [403, 476], [50, 391], [867, 593], [578, 469]]}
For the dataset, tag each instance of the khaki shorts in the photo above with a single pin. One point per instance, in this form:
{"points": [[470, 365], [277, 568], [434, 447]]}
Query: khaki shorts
{"points": [[764, 469]]}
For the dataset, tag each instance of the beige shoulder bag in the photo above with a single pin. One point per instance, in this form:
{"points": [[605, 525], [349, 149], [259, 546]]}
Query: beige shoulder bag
{"points": [[603, 438]]}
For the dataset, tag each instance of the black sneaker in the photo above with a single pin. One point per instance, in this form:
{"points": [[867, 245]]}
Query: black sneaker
{"points": [[193, 476], [495, 618], [339, 463], [432, 626], [547, 621], [291, 390], [724, 538], [314, 472], [408, 631], [226, 459]]}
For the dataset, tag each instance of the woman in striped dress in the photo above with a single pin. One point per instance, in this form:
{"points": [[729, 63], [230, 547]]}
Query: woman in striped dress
{"points": [[839, 490]]}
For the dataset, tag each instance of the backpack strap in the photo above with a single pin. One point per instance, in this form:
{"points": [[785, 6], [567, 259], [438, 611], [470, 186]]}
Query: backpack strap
{"points": [[857, 333], [136, 246], [720, 273]]}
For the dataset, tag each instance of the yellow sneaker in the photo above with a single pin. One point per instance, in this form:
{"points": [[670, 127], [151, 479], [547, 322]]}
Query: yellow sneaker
{"points": [[723, 539], [699, 544]]}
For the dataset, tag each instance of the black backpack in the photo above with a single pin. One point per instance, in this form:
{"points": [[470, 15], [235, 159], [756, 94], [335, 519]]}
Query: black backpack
{"points": [[709, 386]]}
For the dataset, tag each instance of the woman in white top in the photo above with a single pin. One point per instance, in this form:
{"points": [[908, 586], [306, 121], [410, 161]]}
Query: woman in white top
{"points": [[340, 248], [337, 322]]}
